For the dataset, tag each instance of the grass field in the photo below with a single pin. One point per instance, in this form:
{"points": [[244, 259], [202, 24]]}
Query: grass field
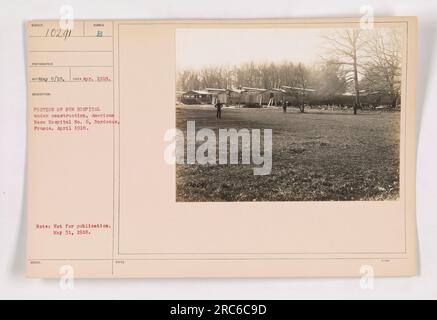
{"points": [[317, 155]]}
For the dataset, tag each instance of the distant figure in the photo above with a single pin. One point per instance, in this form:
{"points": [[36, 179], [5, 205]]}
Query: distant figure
{"points": [[284, 106], [219, 107]]}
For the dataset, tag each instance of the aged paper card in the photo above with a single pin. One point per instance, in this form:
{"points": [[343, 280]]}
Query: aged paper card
{"points": [[221, 148]]}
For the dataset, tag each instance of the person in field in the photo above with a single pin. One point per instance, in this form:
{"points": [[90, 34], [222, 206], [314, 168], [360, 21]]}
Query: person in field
{"points": [[284, 105], [219, 107]]}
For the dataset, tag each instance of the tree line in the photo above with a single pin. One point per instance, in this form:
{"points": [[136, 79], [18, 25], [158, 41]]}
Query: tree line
{"points": [[352, 60]]}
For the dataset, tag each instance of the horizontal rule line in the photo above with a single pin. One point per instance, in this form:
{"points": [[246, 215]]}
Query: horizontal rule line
{"points": [[70, 50], [47, 66], [44, 36], [256, 253], [169, 259]]}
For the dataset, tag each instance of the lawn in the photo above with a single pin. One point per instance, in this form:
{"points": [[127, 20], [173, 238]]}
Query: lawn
{"points": [[317, 156]]}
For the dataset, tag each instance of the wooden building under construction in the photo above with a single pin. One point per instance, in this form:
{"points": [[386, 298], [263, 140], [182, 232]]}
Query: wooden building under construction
{"points": [[293, 96]]}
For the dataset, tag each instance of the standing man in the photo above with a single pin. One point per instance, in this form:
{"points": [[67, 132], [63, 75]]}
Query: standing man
{"points": [[219, 107], [284, 105]]}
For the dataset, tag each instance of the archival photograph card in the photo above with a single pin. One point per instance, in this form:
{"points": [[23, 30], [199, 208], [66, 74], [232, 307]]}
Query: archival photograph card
{"points": [[221, 148]]}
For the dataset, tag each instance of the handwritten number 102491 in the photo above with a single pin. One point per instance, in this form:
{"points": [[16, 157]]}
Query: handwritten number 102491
{"points": [[58, 33]]}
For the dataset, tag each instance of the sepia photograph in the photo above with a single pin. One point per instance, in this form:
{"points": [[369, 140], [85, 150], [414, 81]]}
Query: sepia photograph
{"points": [[288, 114]]}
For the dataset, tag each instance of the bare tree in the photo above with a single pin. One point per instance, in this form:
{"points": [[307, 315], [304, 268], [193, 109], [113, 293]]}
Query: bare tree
{"points": [[382, 71], [346, 46], [188, 80], [301, 81]]}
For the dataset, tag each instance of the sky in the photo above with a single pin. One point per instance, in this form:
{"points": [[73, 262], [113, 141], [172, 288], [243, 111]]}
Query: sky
{"points": [[196, 48]]}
